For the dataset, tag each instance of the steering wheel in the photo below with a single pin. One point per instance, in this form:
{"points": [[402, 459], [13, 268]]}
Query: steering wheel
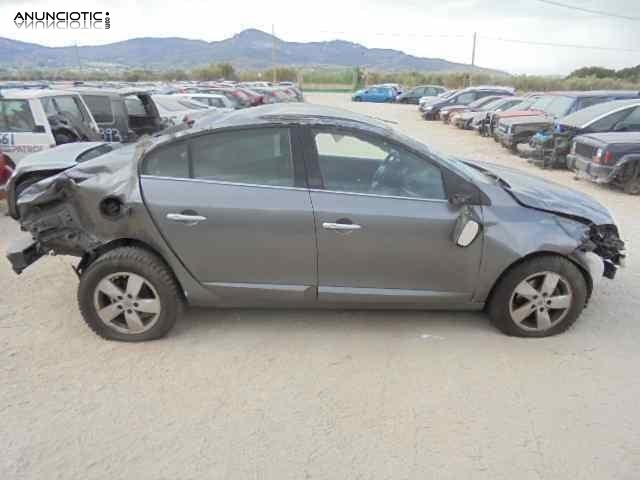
{"points": [[389, 176]]}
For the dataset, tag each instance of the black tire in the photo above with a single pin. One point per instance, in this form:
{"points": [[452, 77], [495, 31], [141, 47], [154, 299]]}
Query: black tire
{"points": [[139, 262], [501, 298]]}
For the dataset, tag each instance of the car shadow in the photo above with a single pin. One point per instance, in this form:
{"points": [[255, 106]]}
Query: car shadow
{"points": [[198, 322]]}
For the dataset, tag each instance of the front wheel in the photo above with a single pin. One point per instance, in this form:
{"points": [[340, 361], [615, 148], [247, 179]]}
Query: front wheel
{"points": [[129, 294], [540, 297]]}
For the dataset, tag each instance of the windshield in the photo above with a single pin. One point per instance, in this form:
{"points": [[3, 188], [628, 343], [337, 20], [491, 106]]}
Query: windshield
{"points": [[559, 106]]}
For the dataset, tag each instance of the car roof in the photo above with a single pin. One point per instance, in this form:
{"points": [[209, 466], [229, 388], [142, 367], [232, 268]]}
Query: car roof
{"points": [[585, 116], [199, 94], [26, 94], [595, 93]]}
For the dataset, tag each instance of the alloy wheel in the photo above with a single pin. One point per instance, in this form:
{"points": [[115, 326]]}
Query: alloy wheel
{"points": [[127, 302], [540, 301]]}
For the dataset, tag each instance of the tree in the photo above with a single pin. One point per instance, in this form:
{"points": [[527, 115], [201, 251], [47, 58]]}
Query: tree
{"points": [[598, 72]]}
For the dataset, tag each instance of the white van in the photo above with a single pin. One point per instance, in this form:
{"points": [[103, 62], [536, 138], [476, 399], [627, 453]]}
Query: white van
{"points": [[35, 120]]}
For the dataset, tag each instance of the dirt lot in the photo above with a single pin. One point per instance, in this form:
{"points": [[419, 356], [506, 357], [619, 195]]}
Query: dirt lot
{"points": [[304, 394]]}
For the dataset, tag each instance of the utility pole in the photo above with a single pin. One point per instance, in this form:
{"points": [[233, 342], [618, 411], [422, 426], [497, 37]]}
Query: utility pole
{"points": [[273, 51], [473, 56]]}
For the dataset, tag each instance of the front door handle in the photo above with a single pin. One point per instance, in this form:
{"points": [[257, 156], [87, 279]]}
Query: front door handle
{"points": [[341, 226], [187, 219]]}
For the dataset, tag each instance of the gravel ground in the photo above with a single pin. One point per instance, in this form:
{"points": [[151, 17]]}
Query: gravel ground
{"points": [[305, 394]]}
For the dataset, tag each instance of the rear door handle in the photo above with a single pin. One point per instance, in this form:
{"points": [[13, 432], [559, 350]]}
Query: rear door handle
{"points": [[187, 219], [341, 226]]}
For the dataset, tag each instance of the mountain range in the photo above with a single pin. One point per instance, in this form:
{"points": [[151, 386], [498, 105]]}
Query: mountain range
{"points": [[249, 49]]}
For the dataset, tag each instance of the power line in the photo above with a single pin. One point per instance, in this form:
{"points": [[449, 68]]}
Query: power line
{"points": [[588, 10], [565, 45]]}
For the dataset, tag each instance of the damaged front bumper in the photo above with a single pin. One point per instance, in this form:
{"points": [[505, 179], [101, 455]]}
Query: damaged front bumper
{"points": [[22, 252]]}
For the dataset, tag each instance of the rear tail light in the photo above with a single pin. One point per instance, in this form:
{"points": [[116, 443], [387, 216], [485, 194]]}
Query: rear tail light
{"points": [[5, 170], [607, 159]]}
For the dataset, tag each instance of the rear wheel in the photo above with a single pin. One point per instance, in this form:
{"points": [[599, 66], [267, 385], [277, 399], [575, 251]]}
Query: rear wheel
{"points": [[129, 294], [538, 298]]}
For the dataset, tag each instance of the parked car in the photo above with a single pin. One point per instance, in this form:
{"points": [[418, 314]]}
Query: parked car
{"points": [[548, 148], [209, 99], [109, 109], [272, 95], [351, 214], [414, 94], [424, 101], [517, 130], [489, 125], [464, 119], [447, 112], [374, 93], [431, 109], [481, 120], [175, 110], [35, 120], [611, 158]]}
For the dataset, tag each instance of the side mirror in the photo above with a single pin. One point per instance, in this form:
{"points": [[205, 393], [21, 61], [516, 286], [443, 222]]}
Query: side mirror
{"points": [[467, 228], [39, 129]]}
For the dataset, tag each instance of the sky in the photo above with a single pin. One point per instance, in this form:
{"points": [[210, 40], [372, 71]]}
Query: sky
{"points": [[425, 28]]}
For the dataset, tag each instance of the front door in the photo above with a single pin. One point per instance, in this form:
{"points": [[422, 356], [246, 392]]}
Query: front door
{"points": [[385, 227], [229, 206]]}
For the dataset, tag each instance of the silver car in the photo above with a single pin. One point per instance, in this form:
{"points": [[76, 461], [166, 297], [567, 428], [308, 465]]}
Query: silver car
{"points": [[295, 205]]}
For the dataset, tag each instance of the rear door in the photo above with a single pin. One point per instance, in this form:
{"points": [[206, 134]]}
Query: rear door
{"points": [[233, 207], [384, 225]]}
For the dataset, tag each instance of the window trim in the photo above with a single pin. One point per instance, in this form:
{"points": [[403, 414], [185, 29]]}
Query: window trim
{"points": [[313, 158]]}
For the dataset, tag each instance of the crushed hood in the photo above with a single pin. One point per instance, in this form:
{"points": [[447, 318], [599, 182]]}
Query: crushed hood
{"points": [[539, 193]]}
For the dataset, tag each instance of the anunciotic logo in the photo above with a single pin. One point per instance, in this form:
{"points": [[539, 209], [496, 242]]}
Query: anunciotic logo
{"points": [[63, 20]]}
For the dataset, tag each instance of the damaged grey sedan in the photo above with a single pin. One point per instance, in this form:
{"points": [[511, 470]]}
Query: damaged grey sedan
{"points": [[296, 205]]}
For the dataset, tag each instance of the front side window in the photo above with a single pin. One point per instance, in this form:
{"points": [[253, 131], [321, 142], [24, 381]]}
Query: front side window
{"points": [[261, 156], [354, 164], [16, 116]]}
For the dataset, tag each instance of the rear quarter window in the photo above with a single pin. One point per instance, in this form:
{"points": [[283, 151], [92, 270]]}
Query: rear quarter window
{"points": [[168, 161], [16, 116]]}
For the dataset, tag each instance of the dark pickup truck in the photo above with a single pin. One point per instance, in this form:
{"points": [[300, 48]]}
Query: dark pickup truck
{"points": [[612, 157]]}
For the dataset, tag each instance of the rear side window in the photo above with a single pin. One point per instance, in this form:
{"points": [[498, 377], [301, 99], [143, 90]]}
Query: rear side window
{"points": [[16, 116], [260, 156], [100, 107], [170, 161]]}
